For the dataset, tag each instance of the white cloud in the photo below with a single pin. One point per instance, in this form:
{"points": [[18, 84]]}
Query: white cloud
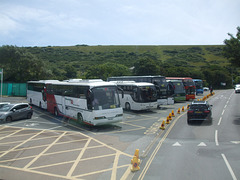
{"points": [[61, 22]]}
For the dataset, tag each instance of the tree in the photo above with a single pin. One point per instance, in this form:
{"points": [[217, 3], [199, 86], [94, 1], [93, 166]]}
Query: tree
{"points": [[71, 72], [146, 66], [215, 75], [231, 49], [103, 71], [20, 65]]}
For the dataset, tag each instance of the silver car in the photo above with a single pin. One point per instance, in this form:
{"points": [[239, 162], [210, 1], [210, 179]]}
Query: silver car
{"points": [[11, 112]]}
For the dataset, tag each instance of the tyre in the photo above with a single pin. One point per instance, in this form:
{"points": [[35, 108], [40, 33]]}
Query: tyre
{"points": [[40, 104], [189, 121], [29, 115], [9, 119], [127, 106]]}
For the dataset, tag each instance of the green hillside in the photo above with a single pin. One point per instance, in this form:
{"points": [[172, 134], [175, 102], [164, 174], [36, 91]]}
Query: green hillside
{"points": [[81, 56], [83, 61]]}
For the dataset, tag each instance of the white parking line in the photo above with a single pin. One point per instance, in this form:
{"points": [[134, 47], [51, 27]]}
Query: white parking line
{"points": [[55, 127], [223, 111], [220, 120], [229, 167], [216, 137]]}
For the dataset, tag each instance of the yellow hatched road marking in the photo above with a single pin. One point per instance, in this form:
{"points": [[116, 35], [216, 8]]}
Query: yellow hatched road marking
{"points": [[21, 144], [78, 158], [11, 134], [45, 150]]}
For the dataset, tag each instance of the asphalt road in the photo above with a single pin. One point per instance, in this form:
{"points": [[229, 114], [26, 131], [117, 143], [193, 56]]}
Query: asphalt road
{"points": [[48, 147], [199, 150]]}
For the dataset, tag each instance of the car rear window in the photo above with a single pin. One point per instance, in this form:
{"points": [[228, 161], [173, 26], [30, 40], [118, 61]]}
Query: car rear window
{"points": [[198, 106]]}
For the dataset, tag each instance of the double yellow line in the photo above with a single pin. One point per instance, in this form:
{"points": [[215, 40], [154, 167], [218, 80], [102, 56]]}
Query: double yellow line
{"points": [[144, 171]]}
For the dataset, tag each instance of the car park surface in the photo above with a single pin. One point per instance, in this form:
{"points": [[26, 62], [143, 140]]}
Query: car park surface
{"points": [[48, 147], [105, 151]]}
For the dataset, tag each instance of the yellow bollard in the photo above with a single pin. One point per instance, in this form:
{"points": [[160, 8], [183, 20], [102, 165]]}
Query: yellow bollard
{"points": [[162, 125], [136, 154], [135, 164], [170, 116], [173, 115]]}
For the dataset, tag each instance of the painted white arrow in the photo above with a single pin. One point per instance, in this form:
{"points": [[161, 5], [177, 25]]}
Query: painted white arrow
{"points": [[235, 142], [176, 144], [202, 144]]}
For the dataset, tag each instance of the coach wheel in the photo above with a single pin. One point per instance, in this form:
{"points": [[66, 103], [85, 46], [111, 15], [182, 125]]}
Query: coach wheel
{"points": [[40, 104], [127, 106], [56, 112], [80, 118]]}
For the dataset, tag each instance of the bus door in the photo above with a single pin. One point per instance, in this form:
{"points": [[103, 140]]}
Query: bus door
{"points": [[63, 105]]}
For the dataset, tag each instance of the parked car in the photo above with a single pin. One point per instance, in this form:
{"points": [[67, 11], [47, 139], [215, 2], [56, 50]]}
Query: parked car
{"points": [[237, 88], [199, 110], [205, 89], [17, 111], [3, 104]]}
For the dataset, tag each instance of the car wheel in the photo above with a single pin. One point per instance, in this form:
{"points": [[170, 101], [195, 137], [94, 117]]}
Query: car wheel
{"points": [[9, 119], [29, 115], [127, 106], [189, 121]]}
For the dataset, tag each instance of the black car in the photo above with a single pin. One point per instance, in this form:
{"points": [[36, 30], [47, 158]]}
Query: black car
{"points": [[199, 110]]}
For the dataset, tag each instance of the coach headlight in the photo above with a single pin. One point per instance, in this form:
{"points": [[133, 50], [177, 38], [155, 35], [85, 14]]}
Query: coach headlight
{"points": [[101, 117], [119, 115]]}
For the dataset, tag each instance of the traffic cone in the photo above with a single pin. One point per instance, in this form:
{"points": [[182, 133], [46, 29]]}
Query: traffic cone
{"points": [[170, 116], [188, 106], [162, 125], [183, 109], [168, 120], [173, 115], [178, 111], [135, 164]]}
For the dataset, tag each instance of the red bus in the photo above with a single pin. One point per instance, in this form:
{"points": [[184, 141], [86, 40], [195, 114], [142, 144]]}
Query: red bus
{"points": [[189, 86]]}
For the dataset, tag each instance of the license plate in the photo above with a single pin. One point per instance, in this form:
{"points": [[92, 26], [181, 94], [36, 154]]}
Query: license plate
{"points": [[198, 112]]}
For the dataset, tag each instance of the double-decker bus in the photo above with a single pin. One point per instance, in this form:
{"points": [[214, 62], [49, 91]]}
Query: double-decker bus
{"points": [[199, 86], [189, 86], [92, 102], [138, 96], [158, 81], [177, 90]]}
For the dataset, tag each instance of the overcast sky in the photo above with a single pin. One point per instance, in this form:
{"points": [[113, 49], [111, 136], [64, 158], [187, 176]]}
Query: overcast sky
{"points": [[117, 22]]}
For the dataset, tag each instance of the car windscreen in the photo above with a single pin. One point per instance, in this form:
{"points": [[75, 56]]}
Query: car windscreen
{"points": [[6, 108]]}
